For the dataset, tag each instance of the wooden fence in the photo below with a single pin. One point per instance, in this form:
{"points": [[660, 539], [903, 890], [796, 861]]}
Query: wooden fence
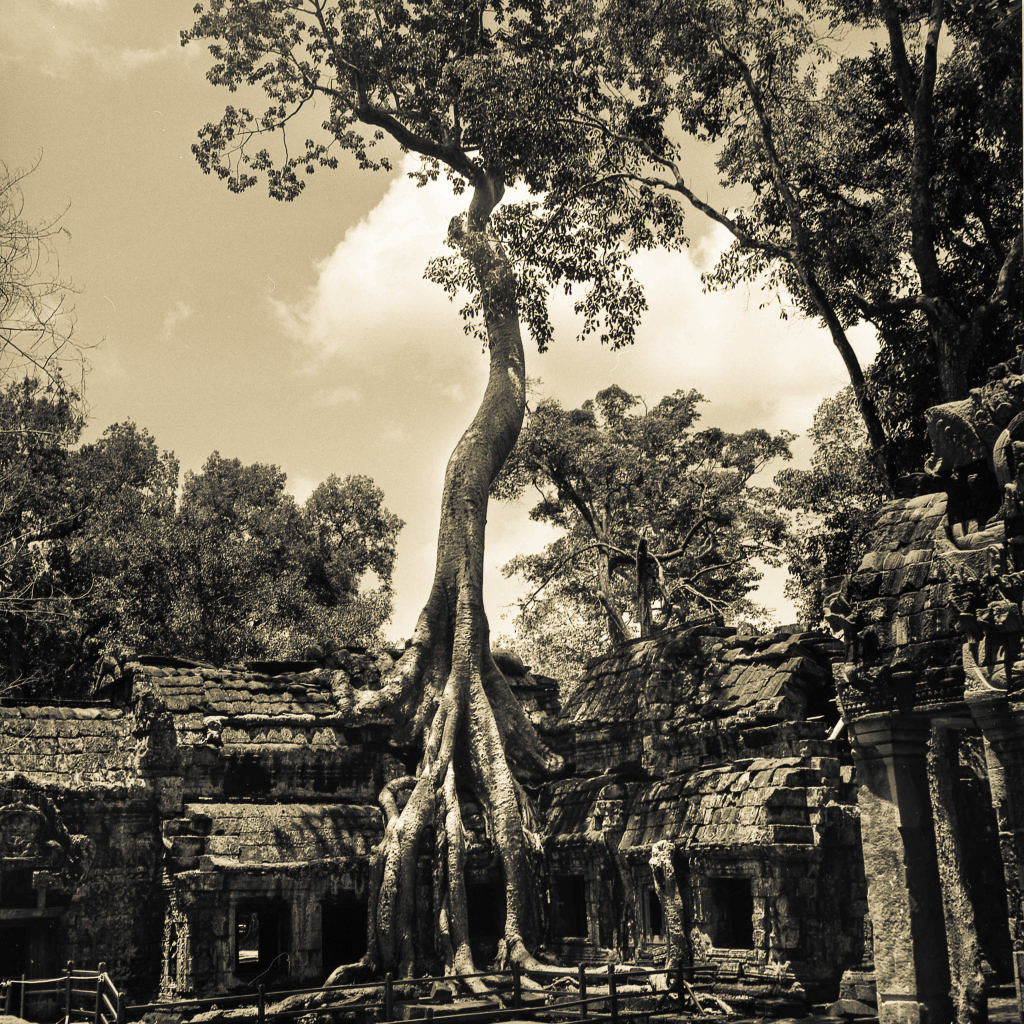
{"points": [[91, 997], [86, 997]]}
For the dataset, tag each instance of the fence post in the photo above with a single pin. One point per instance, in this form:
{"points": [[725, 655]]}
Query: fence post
{"points": [[389, 997], [613, 1001], [261, 1005], [120, 1007], [582, 971], [100, 968], [67, 990], [517, 985], [21, 998], [430, 1015], [7, 998]]}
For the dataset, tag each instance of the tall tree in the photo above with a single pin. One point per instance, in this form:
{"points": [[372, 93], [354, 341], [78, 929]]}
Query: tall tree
{"points": [[660, 519], [482, 92]]}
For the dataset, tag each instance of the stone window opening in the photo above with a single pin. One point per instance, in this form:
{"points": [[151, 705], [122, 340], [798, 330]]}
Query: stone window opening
{"points": [[569, 907], [259, 937], [731, 918]]}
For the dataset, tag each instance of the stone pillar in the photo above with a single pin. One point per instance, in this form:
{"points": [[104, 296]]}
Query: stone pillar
{"points": [[1002, 725], [967, 987], [904, 895]]}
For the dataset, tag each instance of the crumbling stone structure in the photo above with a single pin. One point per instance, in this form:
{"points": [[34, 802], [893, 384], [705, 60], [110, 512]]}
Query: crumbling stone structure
{"points": [[933, 694], [202, 827], [711, 819]]}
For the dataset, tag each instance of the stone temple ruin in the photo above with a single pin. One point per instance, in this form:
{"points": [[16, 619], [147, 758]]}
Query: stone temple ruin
{"points": [[793, 819]]}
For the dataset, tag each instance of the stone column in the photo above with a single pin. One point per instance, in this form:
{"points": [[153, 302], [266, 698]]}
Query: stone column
{"points": [[904, 895], [1002, 725], [967, 987]]}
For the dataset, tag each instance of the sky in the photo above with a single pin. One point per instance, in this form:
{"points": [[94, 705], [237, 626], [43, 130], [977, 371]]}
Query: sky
{"points": [[303, 334]]}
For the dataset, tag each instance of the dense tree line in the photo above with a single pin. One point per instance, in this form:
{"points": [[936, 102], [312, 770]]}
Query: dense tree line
{"points": [[106, 549]]}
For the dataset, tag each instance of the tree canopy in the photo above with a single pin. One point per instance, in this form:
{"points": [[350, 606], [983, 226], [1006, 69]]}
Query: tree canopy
{"points": [[660, 518], [830, 505], [103, 555], [880, 187]]}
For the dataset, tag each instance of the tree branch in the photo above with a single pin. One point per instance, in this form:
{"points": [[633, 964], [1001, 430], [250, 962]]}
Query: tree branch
{"points": [[678, 184], [901, 63]]}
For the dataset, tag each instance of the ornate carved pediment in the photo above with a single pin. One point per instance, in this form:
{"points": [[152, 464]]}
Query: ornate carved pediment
{"points": [[34, 837]]}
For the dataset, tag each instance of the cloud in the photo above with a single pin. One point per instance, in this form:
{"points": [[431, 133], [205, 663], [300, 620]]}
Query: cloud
{"points": [[131, 58], [301, 486], [370, 316], [176, 316], [66, 39], [343, 394], [370, 308]]}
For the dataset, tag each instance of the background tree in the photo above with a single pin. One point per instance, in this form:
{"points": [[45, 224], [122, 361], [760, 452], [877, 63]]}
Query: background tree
{"points": [[259, 576], [39, 425], [102, 556], [36, 317], [660, 519], [480, 91], [831, 505]]}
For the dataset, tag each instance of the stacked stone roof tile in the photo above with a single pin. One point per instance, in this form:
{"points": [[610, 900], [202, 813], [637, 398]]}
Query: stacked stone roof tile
{"points": [[903, 649]]}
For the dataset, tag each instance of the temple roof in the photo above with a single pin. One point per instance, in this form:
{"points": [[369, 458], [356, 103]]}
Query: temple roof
{"points": [[758, 802], [255, 835], [232, 692], [902, 644], [697, 673]]}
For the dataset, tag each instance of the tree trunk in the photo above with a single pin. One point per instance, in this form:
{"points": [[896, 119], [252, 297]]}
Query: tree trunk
{"points": [[877, 440], [618, 632], [446, 693]]}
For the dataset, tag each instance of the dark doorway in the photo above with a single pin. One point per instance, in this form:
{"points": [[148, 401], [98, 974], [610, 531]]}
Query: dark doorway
{"points": [[14, 960], [655, 919], [343, 931], [569, 907], [16, 888], [486, 919], [260, 941], [731, 914]]}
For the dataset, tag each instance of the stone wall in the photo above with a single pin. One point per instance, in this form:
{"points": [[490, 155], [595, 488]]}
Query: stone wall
{"points": [[714, 754], [195, 803]]}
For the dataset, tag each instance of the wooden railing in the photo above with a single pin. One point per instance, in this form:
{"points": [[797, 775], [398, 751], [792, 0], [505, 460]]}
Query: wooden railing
{"points": [[580, 1009], [91, 997], [86, 997]]}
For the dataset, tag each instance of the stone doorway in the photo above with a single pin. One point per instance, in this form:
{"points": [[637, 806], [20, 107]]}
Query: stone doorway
{"points": [[343, 931], [486, 919]]}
